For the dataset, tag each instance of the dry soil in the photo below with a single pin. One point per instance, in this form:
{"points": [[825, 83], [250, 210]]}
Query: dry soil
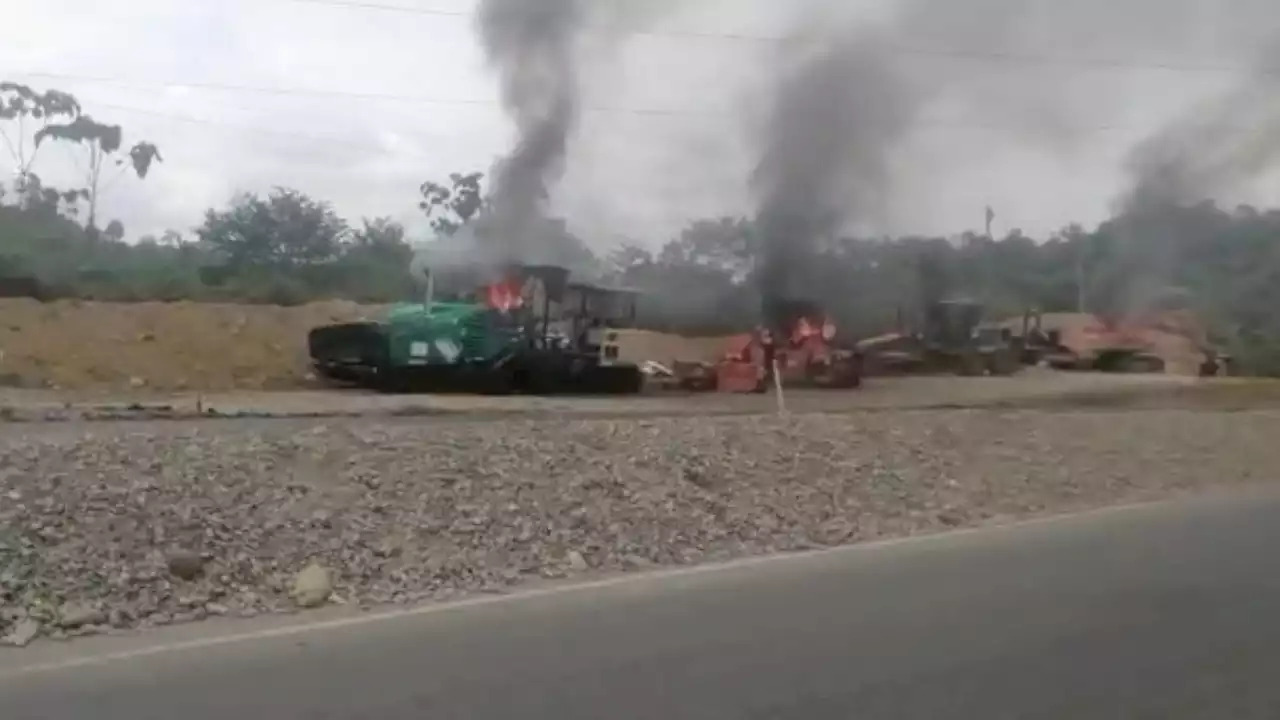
{"points": [[105, 347]]}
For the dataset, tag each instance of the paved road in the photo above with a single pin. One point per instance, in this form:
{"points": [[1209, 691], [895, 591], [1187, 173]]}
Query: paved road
{"points": [[1164, 612]]}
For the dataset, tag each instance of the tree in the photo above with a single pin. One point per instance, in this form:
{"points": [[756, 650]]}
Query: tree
{"points": [[172, 238], [29, 111], [376, 262], [380, 233], [114, 231], [283, 231], [56, 115], [696, 283], [629, 256], [34, 197], [725, 243], [380, 245], [102, 143], [451, 206]]}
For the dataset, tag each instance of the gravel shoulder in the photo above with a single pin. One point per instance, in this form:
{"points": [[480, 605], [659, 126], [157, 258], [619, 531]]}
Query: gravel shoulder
{"points": [[1032, 387], [108, 527]]}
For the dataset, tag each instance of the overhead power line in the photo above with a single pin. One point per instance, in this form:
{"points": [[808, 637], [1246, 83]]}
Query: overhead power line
{"points": [[478, 103], [382, 7], [361, 5], [944, 123], [322, 92], [240, 127], [996, 56], [467, 15], [921, 122]]}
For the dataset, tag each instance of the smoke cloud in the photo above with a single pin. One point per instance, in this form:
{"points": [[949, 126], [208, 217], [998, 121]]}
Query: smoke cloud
{"points": [[531, 44], [536, 47], [836, 113], [1214, 147], [845, 103], [1212, 150]]}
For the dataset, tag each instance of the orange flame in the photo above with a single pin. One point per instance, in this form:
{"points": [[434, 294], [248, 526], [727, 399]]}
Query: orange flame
{"points": [[804, 330], [504, 296]]}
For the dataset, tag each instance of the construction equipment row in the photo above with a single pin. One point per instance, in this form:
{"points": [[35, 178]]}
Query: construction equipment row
{"points": [[534, 330]]}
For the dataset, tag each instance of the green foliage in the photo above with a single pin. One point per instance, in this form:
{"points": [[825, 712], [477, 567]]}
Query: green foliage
{"points": [[142, 156], [282, 231], [84, 129], [451, 206], [56, 116], [102, 142], [21, 105], [18, 100], [376, 263], [287, 248]]}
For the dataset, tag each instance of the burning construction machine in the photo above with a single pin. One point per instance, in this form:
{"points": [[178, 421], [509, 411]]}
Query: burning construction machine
{"points": [[799, 343], [952, 338], [531, 331], [1096, 344]]}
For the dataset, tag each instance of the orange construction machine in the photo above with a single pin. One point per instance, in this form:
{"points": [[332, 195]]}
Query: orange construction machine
{"points": [[799, 348]]}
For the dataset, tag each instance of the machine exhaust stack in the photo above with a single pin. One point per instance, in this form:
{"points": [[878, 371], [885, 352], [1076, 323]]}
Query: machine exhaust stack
{"points": [[429, 295]]}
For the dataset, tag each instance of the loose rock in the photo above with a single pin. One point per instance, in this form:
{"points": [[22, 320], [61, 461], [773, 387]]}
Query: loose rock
{"points": [[577, 562], [23, 633], [185, 565], [312, 586], [635, 562], [74, 615], [109, 516]]}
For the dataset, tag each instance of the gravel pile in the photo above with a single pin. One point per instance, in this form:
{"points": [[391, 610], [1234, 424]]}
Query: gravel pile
{"points": [[115, 526]]}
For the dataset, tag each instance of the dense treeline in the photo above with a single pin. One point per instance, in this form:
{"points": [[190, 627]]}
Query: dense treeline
{"points": [[283, 247]]}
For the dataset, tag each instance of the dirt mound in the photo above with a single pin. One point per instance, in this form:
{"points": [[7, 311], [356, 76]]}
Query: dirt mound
{"points": [[161, 347], [88, 347], [640, 345]]}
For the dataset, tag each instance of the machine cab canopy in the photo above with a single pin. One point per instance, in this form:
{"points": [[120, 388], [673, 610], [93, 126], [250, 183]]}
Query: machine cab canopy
{"points": [[952, 322], [614, 306]]}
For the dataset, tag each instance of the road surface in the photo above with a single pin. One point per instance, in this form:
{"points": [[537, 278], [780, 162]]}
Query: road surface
{"points": [[1168, 611]]}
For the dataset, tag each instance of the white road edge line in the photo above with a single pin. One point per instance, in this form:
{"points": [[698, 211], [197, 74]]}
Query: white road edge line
{"points": [[565, 589]]}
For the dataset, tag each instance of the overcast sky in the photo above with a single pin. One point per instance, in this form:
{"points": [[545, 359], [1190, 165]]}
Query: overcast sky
{"points": [[358, 105]]}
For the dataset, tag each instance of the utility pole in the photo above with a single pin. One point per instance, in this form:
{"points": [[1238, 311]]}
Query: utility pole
{"points": [[988, 276], [1080, 284]]}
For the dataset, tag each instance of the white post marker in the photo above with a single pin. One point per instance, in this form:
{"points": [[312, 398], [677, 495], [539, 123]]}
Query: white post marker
{"points": [[777, 389]]}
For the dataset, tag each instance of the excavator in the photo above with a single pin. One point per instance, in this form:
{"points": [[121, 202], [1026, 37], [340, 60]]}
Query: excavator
{"points": [[950, 337], [1096, 345]]}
